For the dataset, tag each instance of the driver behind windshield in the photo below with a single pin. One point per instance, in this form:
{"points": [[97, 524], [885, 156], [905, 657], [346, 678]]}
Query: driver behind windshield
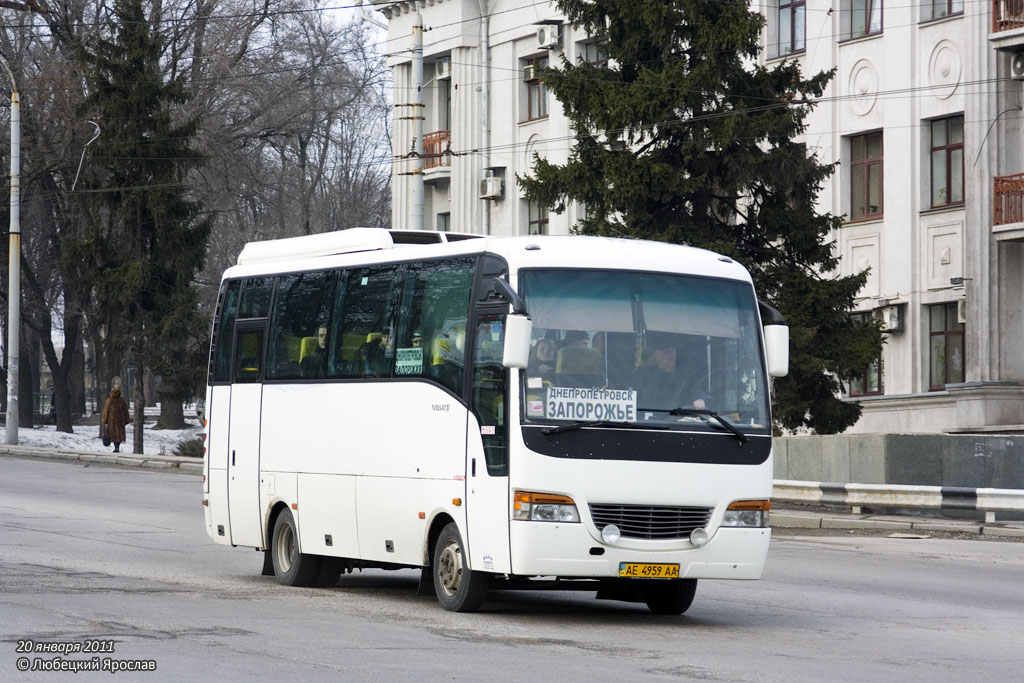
{"points": [[664, 382]]}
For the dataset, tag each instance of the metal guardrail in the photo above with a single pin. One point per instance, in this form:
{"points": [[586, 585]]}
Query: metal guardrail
{"points": [[987, 500]]}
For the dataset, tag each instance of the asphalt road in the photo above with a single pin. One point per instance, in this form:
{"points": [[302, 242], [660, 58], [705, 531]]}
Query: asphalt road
{"points": [[117, 559]]}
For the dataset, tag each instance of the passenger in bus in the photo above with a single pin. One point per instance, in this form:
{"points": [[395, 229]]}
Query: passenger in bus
{"points": [[664, 384], [542, 360], [313, 364], [378, 354], [417, 339], [576, 338]]}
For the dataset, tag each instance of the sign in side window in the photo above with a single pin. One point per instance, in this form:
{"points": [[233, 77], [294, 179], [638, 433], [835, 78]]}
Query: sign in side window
{"points": [[299, 324], [225, 332]]}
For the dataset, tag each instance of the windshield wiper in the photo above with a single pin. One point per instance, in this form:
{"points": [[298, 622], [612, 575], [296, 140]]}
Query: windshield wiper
{"points": [[593, 423], [704, 414]]}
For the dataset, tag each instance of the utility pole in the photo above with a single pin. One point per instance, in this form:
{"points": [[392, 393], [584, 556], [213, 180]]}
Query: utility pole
{"points": [[416, 199], [14, 269]]}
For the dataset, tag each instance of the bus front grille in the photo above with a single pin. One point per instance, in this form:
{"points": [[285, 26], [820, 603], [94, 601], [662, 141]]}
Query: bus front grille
{"points": [[652, 522]]}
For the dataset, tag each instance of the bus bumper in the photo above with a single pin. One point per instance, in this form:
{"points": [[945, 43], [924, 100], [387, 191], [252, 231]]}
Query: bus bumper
{"points": [[569, 551]]}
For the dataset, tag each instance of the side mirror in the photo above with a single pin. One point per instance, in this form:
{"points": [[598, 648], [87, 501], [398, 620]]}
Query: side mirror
{"points": [[518, 331], [776, 348]]}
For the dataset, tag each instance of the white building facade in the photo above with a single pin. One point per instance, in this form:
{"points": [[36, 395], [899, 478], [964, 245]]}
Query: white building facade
{"points": [[923, 118]]}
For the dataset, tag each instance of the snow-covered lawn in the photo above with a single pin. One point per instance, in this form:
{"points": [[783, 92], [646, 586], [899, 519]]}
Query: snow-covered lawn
{"points": [[86, 438]]}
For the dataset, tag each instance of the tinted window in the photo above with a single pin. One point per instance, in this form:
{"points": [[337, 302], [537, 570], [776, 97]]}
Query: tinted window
{"points": [[224, 332], [364, 339], [248, 355], [256, 297], [431, 329], [299, 326]]}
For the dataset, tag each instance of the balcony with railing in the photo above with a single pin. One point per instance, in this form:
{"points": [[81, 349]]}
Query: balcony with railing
{"points": [[436, 151], [1007, 25], [1008, 207]]}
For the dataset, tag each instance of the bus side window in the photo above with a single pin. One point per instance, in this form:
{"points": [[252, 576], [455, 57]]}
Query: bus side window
{"points": [[432, 320], [489, 391], [301, 308], [367, 318], [248, 355], [224, 332]]}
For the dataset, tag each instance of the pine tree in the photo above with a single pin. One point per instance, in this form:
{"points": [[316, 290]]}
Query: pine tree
{"points": [[683, 137], [153, 237]]}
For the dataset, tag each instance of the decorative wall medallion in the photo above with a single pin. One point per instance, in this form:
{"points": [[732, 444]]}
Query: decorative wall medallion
{"points": [[863, 87], [944, 69]]}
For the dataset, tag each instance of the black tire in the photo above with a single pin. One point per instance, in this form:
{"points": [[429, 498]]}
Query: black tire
{"points": [[669, 597], [458, 588], [291, 567]]}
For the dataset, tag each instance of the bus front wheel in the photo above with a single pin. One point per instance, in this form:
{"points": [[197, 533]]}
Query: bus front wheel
{"points": [[291, 567], [458, 588], [669, 597]]}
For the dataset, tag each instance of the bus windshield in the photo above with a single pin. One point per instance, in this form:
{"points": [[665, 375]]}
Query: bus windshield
{"points": [[643, 349]]}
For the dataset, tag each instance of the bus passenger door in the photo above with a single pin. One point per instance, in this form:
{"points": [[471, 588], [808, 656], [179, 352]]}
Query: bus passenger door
{"points": [[487, 497], [244, 437]]}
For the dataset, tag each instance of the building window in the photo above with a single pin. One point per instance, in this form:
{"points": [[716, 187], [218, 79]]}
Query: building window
{"points": [[866, 176], [444, 222], [536, 91], [866, 18], [869, 382], [936, 9], [792, 16], [947, 137], [538, 224], [946, 346], [593, 53]]}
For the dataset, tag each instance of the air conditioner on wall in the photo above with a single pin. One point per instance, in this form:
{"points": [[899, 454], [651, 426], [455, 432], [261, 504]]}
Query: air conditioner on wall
{"points": [[1017, 66], [548, 36], [892, 318], [442, 68], [491, 187], [961, 310]]}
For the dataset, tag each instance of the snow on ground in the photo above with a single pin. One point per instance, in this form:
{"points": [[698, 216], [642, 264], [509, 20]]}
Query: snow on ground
{"points": [[86, 438]]}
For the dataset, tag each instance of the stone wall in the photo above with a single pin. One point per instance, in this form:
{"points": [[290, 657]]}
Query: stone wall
{"points": [[973, 461]]}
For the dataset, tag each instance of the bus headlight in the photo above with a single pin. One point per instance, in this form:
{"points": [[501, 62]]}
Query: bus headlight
{"points": [[544, 507], [747, 513]]}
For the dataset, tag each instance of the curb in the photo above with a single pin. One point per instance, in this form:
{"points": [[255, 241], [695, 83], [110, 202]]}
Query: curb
{"points": [[155, 462], [787, 519]]}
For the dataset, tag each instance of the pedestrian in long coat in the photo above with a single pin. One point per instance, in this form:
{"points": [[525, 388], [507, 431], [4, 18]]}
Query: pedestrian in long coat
{"points": [[115, 417]]}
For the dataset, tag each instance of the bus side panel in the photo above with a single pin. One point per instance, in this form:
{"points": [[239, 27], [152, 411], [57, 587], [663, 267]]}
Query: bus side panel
{"points": [[328, 509], [402, 442], [218, 408]]}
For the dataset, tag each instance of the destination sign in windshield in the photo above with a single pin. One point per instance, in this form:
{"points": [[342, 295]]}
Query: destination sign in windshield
{"points": [[612, 405]]}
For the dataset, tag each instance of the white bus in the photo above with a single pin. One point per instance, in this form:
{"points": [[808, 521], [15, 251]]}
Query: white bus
{"points": [[575, 412]]}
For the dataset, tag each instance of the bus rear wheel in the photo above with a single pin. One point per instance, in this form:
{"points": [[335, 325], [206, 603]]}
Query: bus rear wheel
{"points": [[669, 597], [458, 588], [291, 567]]}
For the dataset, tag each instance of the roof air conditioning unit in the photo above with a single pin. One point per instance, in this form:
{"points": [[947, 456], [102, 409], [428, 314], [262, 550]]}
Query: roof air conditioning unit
{"points": [[1017, 66], [442, 68], [549, 36], [961, 310], [492, 187], [892, 318]]}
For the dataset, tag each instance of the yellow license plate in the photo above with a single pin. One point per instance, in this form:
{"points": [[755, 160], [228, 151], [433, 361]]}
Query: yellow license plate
{"points": [[642, 570]]}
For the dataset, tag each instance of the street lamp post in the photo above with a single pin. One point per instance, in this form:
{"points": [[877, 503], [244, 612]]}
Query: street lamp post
{"points": [[14, 270]]}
